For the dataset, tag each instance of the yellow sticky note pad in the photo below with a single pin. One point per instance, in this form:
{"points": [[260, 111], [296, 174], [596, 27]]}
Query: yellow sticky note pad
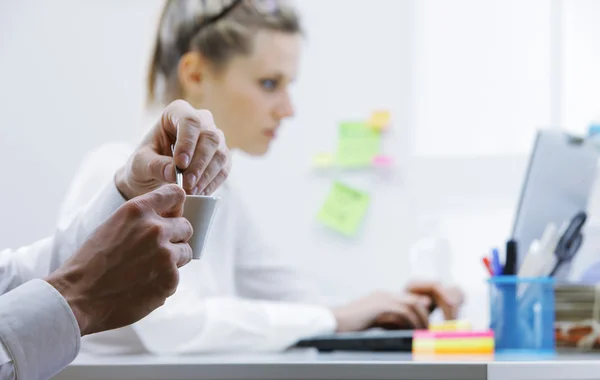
{"points": [[344, 209], [358, 144], [323, 160], [455, 325], [453, 342], [380, 119]]}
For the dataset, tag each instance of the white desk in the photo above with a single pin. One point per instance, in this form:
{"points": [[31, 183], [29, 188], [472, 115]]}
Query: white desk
{"points": [[311, 365]]}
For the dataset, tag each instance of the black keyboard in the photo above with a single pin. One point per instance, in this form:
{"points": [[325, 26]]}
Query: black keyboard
{"points": [[370, 340]]}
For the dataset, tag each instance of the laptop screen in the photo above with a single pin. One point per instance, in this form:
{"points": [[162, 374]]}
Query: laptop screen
{"points": [[557, 185]]}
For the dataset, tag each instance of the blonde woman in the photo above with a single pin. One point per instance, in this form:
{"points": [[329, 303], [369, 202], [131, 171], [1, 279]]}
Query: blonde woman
{"points": [[237, 59]]}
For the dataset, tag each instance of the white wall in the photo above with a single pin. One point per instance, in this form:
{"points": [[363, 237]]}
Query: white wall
{"points": [[582, 54], [468, 82], [483, 79], [70, 79], [581, 82]]}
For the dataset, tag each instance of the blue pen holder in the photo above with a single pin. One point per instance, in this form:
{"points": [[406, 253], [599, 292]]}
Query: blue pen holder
{"points": [[522, 314]]}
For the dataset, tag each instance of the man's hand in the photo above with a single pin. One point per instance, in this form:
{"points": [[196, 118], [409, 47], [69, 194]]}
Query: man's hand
{"points": [[382, 309], [200, 152], [128, 266], [448, 298]]}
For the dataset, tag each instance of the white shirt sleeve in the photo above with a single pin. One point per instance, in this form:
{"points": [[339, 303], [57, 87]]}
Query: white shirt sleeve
{"points": [[43, 257], [187, 324], [39, 334]]}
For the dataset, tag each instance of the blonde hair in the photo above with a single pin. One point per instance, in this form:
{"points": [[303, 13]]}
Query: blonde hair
{"points": [[217, 29]]}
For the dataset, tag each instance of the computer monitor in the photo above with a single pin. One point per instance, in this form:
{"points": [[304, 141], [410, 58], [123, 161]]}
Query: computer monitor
{"points": [[557, 185]]}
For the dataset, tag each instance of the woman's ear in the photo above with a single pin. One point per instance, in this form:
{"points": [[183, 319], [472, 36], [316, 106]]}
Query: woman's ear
{"points": [[191, 74]]}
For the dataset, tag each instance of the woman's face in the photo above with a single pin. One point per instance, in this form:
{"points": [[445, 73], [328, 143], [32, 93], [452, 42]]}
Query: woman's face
{"points": [[250, 97]]}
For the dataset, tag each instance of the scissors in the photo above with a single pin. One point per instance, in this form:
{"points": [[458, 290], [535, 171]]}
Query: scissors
{"points": [[570, 242]]}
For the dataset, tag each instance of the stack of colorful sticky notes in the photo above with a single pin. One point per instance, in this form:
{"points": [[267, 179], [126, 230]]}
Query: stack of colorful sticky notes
{"points": [[453, 338]]}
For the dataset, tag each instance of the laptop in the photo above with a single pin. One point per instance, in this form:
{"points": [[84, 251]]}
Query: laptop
{"points": [[368, 340], [557, 185]]}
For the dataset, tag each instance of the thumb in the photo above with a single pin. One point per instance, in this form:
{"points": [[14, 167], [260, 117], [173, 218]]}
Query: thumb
{"points": [[159, 168], [167, 200]]}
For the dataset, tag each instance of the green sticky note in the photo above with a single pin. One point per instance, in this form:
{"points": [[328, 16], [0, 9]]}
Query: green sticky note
{"points": [[344, 209], [358, 144]]}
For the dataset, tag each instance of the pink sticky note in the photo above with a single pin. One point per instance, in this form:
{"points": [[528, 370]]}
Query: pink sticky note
{"points": [[427, 334], [382, 160]]}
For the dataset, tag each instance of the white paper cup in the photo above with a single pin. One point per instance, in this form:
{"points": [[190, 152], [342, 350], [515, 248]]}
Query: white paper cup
{"points": [[200, 211]]}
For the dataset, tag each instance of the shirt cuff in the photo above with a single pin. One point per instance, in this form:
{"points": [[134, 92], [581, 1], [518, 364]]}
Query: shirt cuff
{"points": [[38, 329]]}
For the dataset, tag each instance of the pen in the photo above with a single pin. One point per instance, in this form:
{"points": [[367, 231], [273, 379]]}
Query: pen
{"points": [[488, 265], [496, 266]]}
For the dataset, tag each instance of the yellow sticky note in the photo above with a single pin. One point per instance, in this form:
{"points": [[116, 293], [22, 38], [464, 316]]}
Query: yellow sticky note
{"points": [[380, 119], [454, 325], [358, 144], [323, 160], [344, 209]]}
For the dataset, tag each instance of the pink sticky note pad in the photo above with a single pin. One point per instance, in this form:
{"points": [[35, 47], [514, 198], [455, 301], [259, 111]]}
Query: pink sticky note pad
{"points": [[382, 161], [427, 334]]}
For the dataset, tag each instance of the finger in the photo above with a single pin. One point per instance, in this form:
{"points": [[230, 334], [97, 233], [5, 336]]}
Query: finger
{"points": [[220, 162], [416, 305], [166, 200], [181, 123], [391, 321], [216, 182], [422, 287], [182, 254], [451, 313], [424, 301], [406, 312], [179, 230], [206, 149], [449, 309], [421, 314], [457, 298], [432, 289], [214, 169], [160, 168], [168, 279], [443, 299], [151, 165]]}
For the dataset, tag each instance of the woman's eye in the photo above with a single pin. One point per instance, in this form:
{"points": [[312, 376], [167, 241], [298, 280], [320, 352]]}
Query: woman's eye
{"points": [[269, 84]]}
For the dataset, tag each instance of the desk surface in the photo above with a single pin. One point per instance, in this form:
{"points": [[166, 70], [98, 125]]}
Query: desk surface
{"points": [[311, 365]]}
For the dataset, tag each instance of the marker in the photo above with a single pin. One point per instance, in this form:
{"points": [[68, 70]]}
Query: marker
{"points": [[510, 266]]}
